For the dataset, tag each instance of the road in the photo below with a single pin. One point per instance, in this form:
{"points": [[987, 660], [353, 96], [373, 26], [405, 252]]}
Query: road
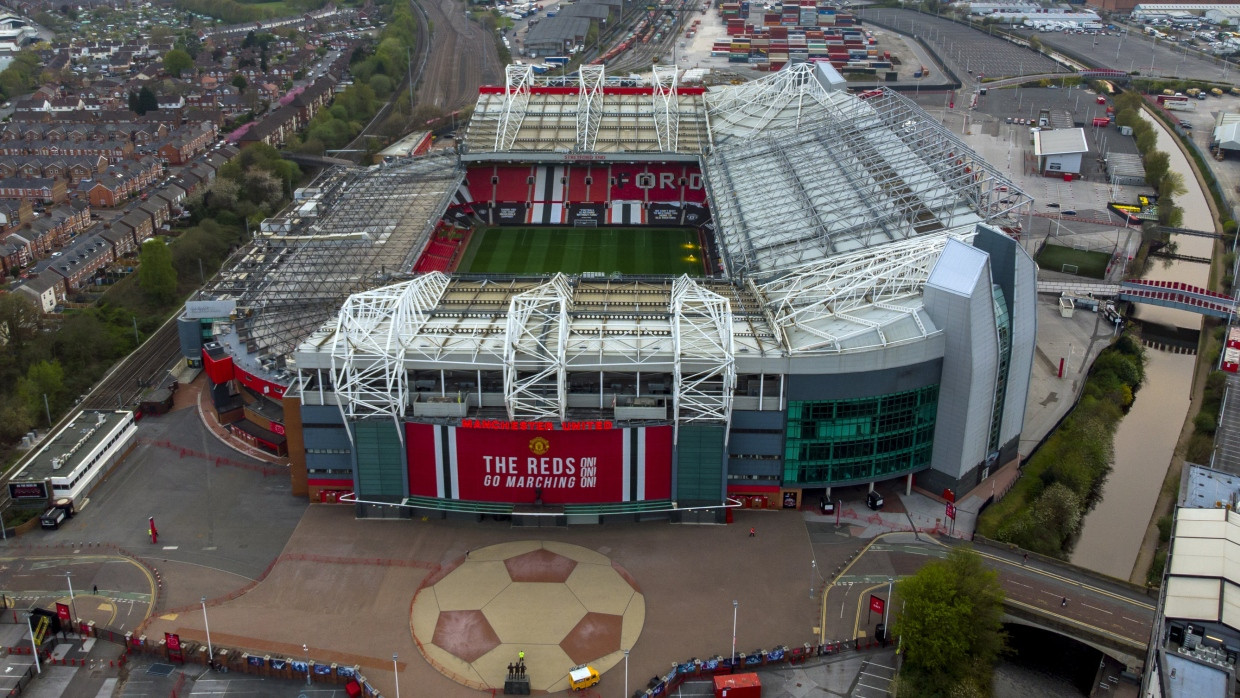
{"points": [[111, 590], [1108, 609]]}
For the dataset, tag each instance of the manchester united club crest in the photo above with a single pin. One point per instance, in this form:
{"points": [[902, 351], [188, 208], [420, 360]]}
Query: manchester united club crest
{"points": [[539, 445]]}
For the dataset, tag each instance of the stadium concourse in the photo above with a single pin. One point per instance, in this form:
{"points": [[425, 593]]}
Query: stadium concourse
{"points": [[862, 311]]}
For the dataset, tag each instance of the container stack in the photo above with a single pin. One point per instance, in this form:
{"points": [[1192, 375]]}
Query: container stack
{"points": [[769, 36]]}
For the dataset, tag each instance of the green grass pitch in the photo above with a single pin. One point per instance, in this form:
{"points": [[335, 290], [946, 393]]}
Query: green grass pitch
{"points": [[510, 250], [1091, 264]]}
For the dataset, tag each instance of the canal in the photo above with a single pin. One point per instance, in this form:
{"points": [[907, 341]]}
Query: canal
{"points": [[1112, 532]]}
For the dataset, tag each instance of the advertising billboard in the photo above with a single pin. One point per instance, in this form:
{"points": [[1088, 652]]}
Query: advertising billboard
{"points": [[539, 462], [28, 490]]}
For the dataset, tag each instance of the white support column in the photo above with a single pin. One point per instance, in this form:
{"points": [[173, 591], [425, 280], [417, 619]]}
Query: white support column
{"points": [[518, 79], [590, 80], [373, 331], [908, 485], [666, 107], [536, 336], [704, 366]]}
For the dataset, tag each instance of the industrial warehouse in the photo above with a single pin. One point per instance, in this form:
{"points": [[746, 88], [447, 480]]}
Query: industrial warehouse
{"points": [[618, 302]]}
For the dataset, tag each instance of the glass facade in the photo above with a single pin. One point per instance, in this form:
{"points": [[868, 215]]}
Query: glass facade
{"points": [[1003, 326], [833, 441]]}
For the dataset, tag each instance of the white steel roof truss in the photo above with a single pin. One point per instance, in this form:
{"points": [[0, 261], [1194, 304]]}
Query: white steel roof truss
{"points": [[590, 80], [878, 278], [705, 367], [537, 333], [373, 330], [666, 107], [517, 82]]}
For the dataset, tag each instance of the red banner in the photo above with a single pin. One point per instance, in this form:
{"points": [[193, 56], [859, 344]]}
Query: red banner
{"points": [[173, 642], [876, 604], [62, 612], [551, 466], [951, 511]]}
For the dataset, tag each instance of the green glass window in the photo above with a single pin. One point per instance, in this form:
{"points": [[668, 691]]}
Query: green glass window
{"points": [[1003, 327], [833, 441]]}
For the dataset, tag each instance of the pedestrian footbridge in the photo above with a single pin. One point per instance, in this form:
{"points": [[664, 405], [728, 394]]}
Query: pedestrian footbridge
{"points": [[1168, 294]]}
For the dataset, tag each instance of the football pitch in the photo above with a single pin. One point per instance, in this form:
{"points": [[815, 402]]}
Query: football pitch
{"points": [[670, 251]]}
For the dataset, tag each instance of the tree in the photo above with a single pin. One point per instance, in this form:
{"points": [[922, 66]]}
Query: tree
{"points": [[147, 101], [177, 62], [42, 378], [1172, 184], [1157, 164], [19, 323], [156, 276], [240, 83], [950, 627]]}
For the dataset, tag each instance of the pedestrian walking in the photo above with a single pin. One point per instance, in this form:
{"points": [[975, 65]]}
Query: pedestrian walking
{"points": [[1025, 561], [95, 589], [752, 533], [1064, 602]]}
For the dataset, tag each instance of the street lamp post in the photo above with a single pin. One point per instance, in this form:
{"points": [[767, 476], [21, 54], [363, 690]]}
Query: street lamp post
{"points": [[72, 606], [734, 604], [306, 649], [626, 674], [205, 624], [396, 673], [886, 610], [813, 567]]}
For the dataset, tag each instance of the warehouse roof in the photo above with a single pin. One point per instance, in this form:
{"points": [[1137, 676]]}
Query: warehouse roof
{"points": [[1060, 141], [1203, 582]]}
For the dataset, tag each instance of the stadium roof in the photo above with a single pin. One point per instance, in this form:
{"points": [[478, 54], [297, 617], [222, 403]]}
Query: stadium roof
{"points": [[832, 210], [588, 113], [357, 228], [799, 174], [538, 330]]}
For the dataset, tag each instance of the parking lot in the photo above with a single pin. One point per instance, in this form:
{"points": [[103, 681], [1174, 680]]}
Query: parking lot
{"points": [[968, 52], [1133, 52]]}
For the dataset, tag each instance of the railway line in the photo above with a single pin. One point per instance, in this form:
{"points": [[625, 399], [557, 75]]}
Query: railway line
{"points": [[357, 147], [136, 372], [653, 37]]}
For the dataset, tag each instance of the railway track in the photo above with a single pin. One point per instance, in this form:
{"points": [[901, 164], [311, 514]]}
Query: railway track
{"points": [[136, 372], [412, 77]]}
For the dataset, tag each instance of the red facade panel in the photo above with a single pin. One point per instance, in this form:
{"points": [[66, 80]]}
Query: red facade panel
{"points": [[218, 370]]}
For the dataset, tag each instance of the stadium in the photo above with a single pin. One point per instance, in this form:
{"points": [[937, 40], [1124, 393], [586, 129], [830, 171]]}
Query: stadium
{"points": [[617, 303]]}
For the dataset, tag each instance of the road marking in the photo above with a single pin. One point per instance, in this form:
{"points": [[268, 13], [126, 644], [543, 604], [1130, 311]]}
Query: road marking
{"points": [[210, 548], [171, 547], [1096, 608], [1134, 620], [884, 666], [1020, 584]]}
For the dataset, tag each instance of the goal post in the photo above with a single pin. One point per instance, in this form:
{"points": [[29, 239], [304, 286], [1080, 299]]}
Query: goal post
{"points": [[1071, 269]]}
